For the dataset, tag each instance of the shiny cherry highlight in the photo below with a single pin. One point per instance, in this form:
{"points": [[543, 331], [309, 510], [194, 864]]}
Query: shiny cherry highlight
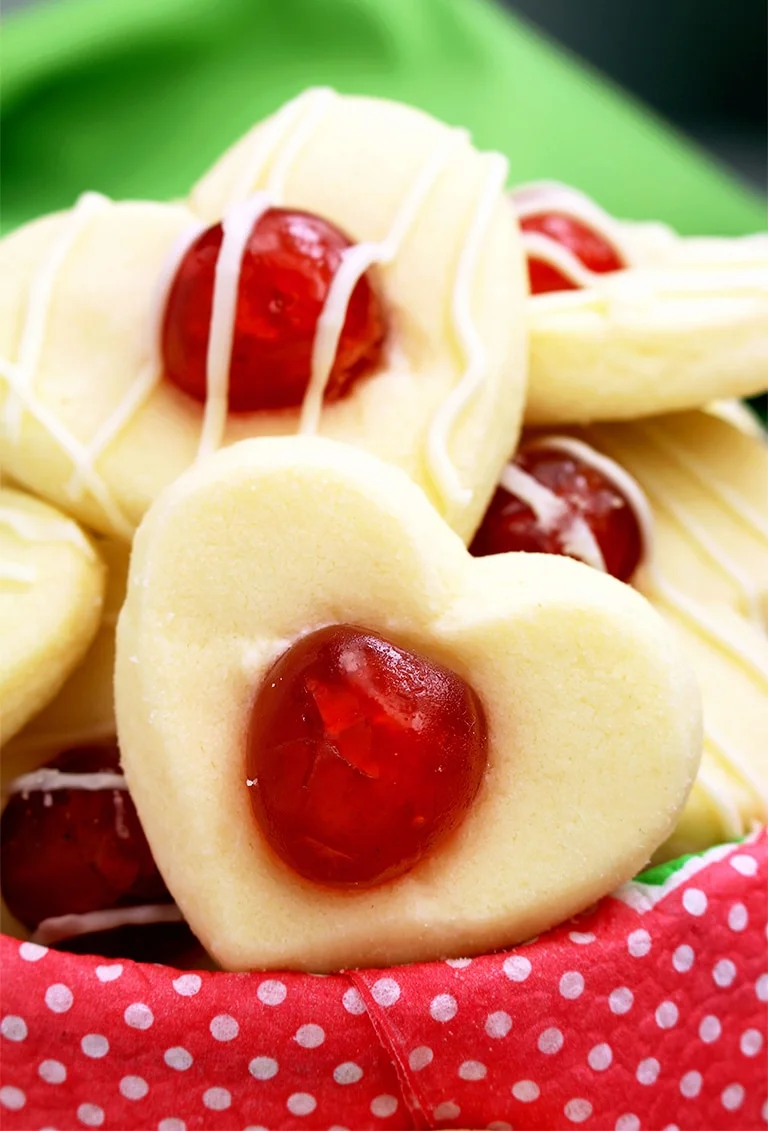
{"points": [[595, 252], [510, 524], [287, 268], [72, 851], [361, 756]]}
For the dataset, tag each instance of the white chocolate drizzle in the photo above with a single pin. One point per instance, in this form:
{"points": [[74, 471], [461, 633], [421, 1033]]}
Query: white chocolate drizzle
{"points": [[61, 927], [731, 823], [553, 513], [237, 225], [20, 374], [39, 303], [285, 132], [549, 196], [32, 527], [49, 780], [17, 574], [355, 262], [151, 372], [691, 611], [749, 515], [708, 547], [280, 144], [444, 472]]}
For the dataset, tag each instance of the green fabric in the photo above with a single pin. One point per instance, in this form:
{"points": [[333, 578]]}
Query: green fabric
{"points": [[658, 875], [137, 98]]}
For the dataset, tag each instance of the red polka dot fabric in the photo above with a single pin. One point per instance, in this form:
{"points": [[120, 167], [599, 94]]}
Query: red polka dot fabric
{"points": [[647, 1012]]}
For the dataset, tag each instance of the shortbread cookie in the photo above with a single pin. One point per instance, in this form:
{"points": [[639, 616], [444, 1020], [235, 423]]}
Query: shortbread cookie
{"points": [[367, 284], [630, 320], [83, 712], [565, 496], [707, 482], [51, 591], [347, 622]]}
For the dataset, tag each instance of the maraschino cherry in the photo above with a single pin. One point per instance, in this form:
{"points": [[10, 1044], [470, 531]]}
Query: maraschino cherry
{"points": [[72, 851], [287, 268], [510, 524], [592, 249], [361, 756]]}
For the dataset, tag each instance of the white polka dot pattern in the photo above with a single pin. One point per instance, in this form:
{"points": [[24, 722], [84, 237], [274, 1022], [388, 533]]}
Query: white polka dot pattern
{"points": [[179, 1058], [187, 985], [601, 1024], [263, 1067], [301, 1103], [59, 998], [13, 1028], [224, 1027], [690, 1085], [134, 1087], [443, 1007], [52, 1071], [90, 1115]]}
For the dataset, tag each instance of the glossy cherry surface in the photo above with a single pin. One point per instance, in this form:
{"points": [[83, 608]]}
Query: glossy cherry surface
{"points": [[287, 269], [361, 756], [592, 249], [510, 524], [75, 850]]}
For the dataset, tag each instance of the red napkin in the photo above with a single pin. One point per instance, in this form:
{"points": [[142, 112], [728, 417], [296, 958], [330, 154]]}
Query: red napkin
{"points": [[648, 1012]]}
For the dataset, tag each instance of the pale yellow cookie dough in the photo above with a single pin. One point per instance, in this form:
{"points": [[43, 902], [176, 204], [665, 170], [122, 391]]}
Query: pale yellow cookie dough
{"points": [[593, 714], [454, 293], [707, 482], [84, 710], [51, 590], [686, 324], [730, 658]]}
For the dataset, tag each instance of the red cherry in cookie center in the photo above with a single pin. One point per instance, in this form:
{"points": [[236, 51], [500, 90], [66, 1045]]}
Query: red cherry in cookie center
{"points": [[510, 523], [361, 756], [286, 270], [589, 246]]}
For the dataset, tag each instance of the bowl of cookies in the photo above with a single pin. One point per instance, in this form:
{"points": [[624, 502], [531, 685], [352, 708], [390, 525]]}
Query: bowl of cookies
{"points": [[383, 563]]}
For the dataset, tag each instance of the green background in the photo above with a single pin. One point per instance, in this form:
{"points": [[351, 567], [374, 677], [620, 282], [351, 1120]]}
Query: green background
{"points": [[137, 97]]}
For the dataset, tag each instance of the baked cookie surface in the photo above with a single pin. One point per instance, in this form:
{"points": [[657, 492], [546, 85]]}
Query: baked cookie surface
{"points": [[646, 323], [88, 419], [51, 591], [593, 722]]}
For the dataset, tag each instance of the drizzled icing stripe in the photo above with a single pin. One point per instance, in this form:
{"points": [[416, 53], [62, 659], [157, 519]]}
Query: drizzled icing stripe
{"points": [[690, 610], [75, 451], [731, 822], [61, 927], [237, 225], [21, 575], [39, 303], [636, 497], [49, 780], [733, 759], [550, 196], [552, 512], [20, 374], [748, 514], [313, 103], [37, 528], [151, 371], [706, 544], [444, 473], [355, 262]]}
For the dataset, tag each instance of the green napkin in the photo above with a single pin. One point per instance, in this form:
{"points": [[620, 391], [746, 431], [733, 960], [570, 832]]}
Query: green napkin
{"points": [[137, 97]]}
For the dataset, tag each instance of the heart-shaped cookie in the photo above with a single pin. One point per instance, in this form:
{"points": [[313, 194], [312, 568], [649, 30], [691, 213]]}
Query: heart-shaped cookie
{"points": [[102, 305], [630, 320], [592, 715], [51, 591]]}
